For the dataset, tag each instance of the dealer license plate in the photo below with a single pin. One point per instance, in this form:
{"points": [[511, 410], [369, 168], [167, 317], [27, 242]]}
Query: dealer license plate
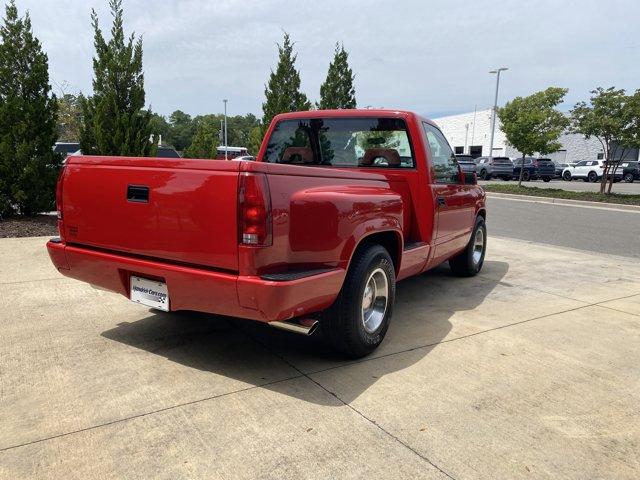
{"points": [[150, 293]]}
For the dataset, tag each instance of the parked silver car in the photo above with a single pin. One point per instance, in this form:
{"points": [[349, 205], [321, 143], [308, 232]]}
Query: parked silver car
{"points": [[500, 167], [467, 163]]}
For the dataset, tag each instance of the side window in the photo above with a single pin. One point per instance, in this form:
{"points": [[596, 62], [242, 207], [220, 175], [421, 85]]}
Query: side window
{"points": [[444, 161], [581, 164]]}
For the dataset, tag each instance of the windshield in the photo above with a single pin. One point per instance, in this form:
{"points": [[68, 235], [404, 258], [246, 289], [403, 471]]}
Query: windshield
{"points": [[341, 142]]}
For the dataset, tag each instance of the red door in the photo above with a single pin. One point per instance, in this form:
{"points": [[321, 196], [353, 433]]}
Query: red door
{"points": [[453, 200]]}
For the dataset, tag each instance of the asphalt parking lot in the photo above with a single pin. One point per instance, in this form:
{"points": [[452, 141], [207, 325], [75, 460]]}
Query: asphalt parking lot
{"points": [[530, 370]]}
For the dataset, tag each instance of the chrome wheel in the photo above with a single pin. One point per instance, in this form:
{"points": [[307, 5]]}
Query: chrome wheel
{"points": [[374, 300], [478, 246]]}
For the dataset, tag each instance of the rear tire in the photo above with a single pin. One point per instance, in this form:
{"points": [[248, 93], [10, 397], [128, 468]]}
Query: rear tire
{"points": [[526, 176], [546, 179], [358, 320], [469, 262], [628, 177], [484, 175], [592, 177]]}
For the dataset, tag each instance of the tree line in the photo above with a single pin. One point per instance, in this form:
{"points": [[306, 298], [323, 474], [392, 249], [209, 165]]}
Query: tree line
{"points": [[113, 120], [89, 119]]}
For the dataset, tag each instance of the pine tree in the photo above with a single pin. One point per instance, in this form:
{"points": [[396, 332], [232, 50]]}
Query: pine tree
{"points": [[28, 166], [338, 91], [115, 122], [283, 90]]}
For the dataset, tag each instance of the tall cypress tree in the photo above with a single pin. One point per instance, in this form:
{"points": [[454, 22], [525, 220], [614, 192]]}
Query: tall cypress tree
{"points": [[338, 91], [28, 166], [283, 90], [114, 120]]}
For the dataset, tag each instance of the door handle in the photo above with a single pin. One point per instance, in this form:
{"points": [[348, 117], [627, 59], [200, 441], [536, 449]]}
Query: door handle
{"points": [[442, 202], [138, 193]]}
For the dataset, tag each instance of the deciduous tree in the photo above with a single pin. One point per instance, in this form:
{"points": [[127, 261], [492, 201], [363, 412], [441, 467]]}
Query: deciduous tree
{"points": [[69, 117], [533, 124], [206, 139], [613, 118], [28, 166]]}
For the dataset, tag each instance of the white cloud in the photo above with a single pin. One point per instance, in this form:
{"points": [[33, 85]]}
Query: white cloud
{"points": [[429, 56]]}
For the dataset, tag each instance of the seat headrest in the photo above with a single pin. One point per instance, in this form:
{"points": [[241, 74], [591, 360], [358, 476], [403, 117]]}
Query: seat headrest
{"points": [[305, 154], [389, 154]]}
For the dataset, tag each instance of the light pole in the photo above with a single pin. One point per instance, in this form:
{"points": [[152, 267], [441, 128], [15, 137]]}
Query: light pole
{"points": [[225, 129], [495, 109]]}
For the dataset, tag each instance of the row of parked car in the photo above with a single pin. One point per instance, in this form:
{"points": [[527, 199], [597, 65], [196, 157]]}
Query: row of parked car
{"points": [[544, 169]]}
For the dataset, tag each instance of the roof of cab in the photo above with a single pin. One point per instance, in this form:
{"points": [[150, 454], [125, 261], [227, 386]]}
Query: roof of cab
{"points": [[351, 112]]}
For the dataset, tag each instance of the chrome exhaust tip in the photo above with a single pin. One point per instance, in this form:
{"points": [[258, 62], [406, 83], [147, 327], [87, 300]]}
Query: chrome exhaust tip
{"points": [[302, 326]]}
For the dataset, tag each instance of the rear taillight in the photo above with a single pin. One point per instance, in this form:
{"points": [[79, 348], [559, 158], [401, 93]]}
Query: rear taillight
{"points": [[254, 210], [59, 193], [59, 202]]}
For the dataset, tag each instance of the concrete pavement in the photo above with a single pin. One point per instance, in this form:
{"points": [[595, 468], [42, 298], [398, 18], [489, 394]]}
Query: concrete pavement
{"points": [[529, 370]]}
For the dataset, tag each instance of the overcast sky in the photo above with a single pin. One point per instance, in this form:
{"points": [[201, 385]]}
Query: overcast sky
{"points": [[429, 56]]}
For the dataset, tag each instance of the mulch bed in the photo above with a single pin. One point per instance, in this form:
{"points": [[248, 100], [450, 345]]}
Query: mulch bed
{"points": [[37, 226]]}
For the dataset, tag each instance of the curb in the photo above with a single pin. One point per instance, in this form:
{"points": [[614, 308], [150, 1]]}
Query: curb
{"points": [[565, 201]]}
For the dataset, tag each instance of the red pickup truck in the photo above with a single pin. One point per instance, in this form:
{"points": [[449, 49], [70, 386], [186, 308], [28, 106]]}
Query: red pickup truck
{"points": [[338, 207]]}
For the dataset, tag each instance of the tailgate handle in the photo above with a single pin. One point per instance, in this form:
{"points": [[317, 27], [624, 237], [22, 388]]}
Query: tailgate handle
{"points": [[138, 193], [442, 202]]}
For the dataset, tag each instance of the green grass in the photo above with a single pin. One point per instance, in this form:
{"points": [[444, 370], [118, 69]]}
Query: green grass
{"points": [[566, 194]]}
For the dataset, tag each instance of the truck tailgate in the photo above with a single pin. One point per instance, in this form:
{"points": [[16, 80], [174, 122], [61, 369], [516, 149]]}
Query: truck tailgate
{"points": [[178, 210]]}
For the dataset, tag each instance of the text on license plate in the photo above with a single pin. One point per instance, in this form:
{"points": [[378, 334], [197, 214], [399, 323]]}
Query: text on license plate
{"points": [[150, 293]]}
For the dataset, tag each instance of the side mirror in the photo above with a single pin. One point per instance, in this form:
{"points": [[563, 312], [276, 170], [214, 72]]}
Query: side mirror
{"points": [[467, 178], [470, 178]]}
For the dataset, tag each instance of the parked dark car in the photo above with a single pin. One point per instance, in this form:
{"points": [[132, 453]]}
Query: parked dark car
{"points": [[500, 167], [467, 163], [630, 171], [534, 169], [560, 168]]}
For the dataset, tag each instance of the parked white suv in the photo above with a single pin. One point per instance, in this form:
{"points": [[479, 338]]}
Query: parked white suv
{"points": [[587, 170]]}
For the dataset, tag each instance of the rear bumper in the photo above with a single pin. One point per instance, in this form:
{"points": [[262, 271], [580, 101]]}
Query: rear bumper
{"points": [[202, 290]]}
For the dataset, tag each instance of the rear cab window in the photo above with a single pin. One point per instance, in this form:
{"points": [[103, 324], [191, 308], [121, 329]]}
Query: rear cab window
{"points": [[341, 142]]}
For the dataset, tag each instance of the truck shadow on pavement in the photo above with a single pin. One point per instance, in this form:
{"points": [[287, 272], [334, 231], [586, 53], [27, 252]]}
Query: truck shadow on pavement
{"points": [[260, 355]]}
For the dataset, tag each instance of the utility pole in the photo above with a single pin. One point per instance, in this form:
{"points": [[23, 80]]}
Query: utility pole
{"points": [[473, 126], [225, 129], [466, 137], [495, 109]]}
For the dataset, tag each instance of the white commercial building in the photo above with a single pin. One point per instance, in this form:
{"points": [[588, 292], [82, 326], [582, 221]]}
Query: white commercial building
{"points": [[470, 133]]}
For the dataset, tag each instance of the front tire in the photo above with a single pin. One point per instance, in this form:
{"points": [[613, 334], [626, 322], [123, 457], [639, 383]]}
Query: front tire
{"points": [[546, 179], [526, 176], [358, 320], [566, 176], [469, 262]]}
